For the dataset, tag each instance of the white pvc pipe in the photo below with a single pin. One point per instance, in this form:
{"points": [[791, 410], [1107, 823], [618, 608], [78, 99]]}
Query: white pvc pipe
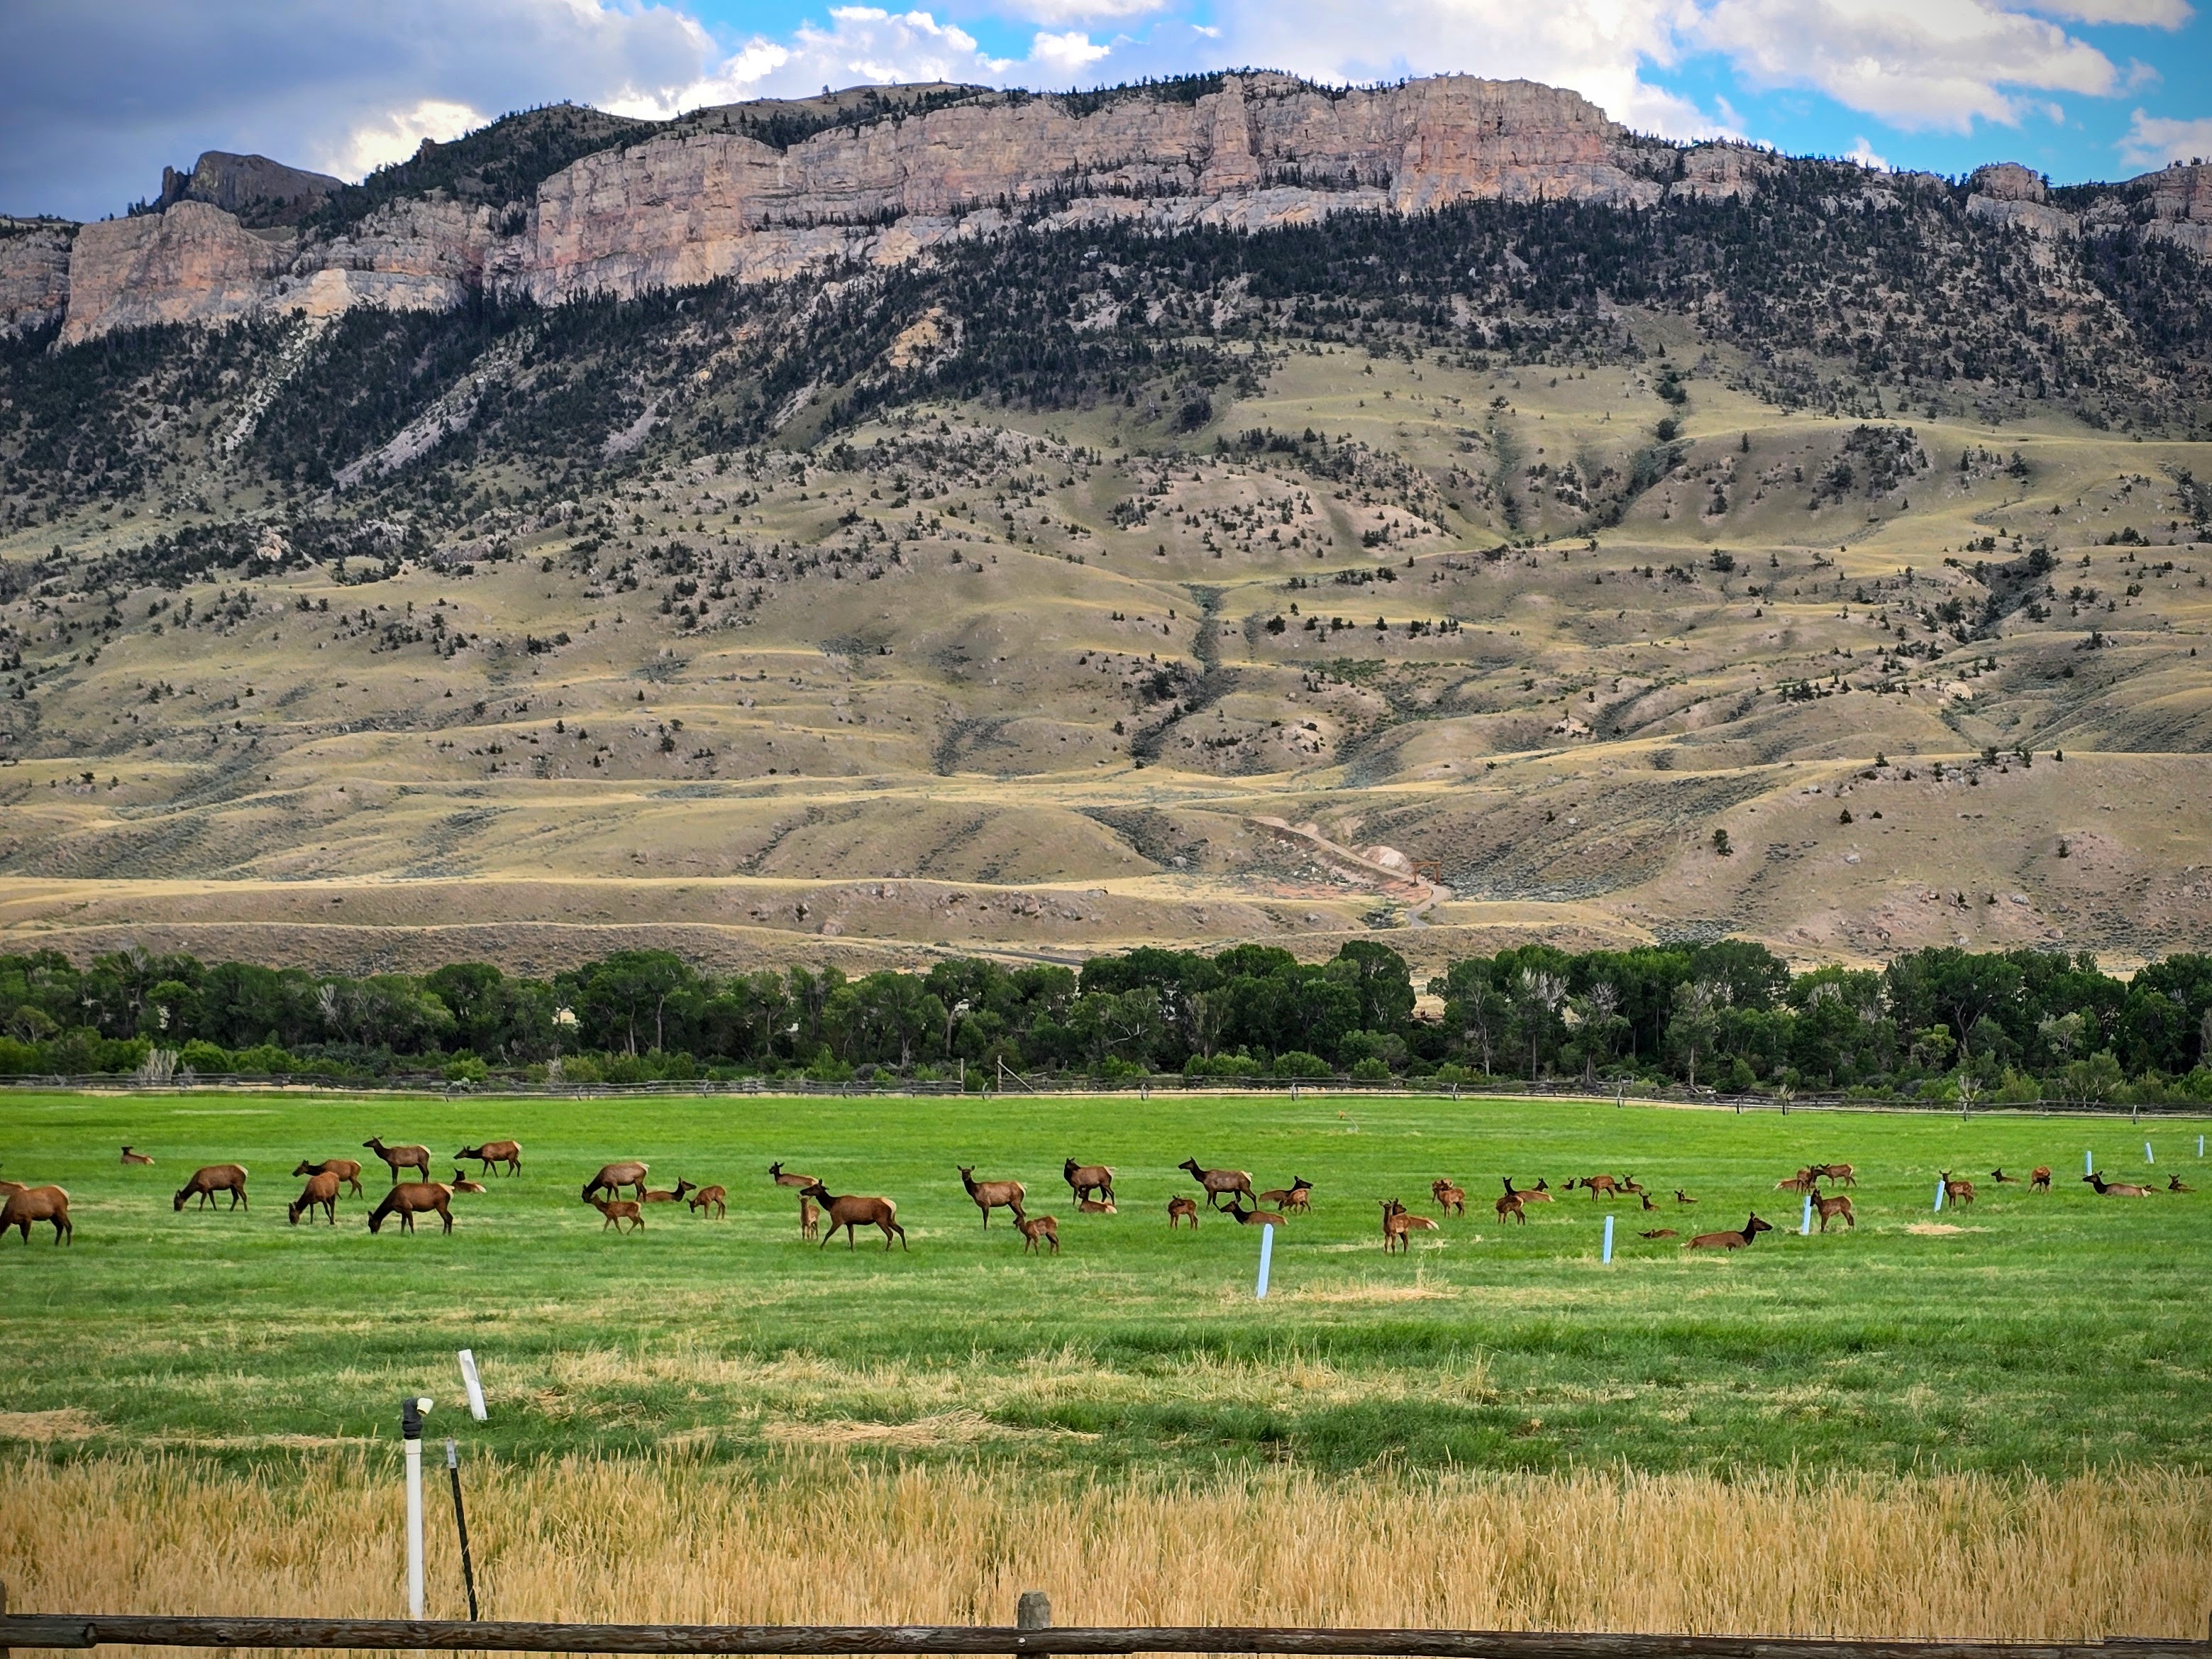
{"points": [[1805, 1227], [1267, 1260], [1608, 1238], [1939, 1195], [413, 1529]]}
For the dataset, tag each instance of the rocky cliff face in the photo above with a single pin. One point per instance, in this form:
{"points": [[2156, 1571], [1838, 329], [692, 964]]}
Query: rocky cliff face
{"points": [[258, 191], [34, 260], [700, 203]]}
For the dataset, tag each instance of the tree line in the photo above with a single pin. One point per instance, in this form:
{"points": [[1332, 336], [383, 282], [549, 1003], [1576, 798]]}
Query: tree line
{"points": [[1728, 1014]]}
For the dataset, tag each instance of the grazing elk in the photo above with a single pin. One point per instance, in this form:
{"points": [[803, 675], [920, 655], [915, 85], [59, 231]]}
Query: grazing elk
{"points": [[1096, 1206], [408, 1199], [1182, 1210], [1601, 1186], [2176, 1184], [991, 1195], [1957, 1193], [461, 1183], [1218, 1181], [1839, 1204], [132, 1155], [784, 1177], [619, 1210], [1397, 1222], [509, 1153], [1034, 1228], [1451, 1199], [658, 1196], [215, 1178], [25, 1204], [810, 1218], [401, 1157], [1735, 1241], [321, 1192], [2039, 1179], [1086, 1179], [2115, 1188], [613, 1177], [1842, 1173], [850, 1212], [1297, 1198], [345, 1169], [710, 1198]]}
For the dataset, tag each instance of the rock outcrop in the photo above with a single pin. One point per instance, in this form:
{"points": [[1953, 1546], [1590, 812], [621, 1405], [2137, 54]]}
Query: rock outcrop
{"points": [[192, 264], [2006, 193], [34, 261], [2181, 207], [257, 191]]}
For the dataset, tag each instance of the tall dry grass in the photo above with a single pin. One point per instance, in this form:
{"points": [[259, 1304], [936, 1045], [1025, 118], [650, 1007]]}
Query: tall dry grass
{"points": [[827, 1539]]}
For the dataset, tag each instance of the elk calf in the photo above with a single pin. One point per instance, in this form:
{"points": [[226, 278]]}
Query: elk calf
{"points": [[1097, 1207], [1180, 1210], [810, 1218], [132, 1155], [1957, 1193], [1033, 1228], [2039, 1179], [1840, 1205], [709, 1198], [1298, 1196], [463, 1184], [619, 1210], [1451, 1199]]}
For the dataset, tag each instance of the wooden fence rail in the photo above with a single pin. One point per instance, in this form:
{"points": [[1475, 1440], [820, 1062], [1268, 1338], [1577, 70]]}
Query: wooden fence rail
{"points": [[54, 1630]]}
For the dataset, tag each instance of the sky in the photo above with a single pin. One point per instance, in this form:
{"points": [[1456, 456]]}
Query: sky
{"points": [[96, 95]]}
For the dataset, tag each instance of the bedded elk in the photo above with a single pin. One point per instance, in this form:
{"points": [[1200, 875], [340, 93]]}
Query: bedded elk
{"points": [[1084, 1179], [993, 1194], [658, 1196], [2000, 1178], [1218, 1181], [1451, 1199], [1539, 1193], [345, 1169], [850, 1212], [215, 1178], [321, 1193], [1096, 1206], [784, 1177], [613, 1177], [461, 1183], [509, 1153], [408, 1199], [2115, 1188], [1803, 1182], [1662, 1232], [2039, 1179], [1648, 1204], [1255, 1217], [24, 1205], [401, 1157], [1838, 1204], [1736, 1240], [1958, 1194], [2176, 1184], [619, 1210], [1630, 1184], [1034, 1228], [1295, 1198], [710, 1198], [1681, 1197], [132, 1155], [1180, 1210]]}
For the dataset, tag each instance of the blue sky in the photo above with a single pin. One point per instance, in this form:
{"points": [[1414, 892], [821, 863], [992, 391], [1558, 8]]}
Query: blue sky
{"points": [[95, 95]]}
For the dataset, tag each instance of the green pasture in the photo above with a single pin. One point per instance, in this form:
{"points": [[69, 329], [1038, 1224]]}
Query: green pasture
{"points": [[2030, 1332]]}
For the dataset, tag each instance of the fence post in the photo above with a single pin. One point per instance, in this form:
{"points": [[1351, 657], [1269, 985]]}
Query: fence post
{"points": [[410, 1434], [1032, 1610]]}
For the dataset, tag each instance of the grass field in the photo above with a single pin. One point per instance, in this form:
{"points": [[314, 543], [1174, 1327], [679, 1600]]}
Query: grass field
{"points": [[2042, 1334]]}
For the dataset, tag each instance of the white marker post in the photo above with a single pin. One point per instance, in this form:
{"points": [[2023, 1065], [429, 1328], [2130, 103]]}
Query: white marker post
{"points": [[1805, 1227], [1266, 1260], [2089, 1162], [411, 1436], [1939, 1195], [1608, 1238], [2200, 1146], [2148, 1159], [472, 1384]]}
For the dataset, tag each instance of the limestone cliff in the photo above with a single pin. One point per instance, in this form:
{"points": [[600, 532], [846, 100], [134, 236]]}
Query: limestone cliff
{"points": [[34, 258], [258, 191]]}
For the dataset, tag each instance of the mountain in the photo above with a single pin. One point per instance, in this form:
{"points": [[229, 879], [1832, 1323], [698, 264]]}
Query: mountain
{"points": [[1209, 510]]}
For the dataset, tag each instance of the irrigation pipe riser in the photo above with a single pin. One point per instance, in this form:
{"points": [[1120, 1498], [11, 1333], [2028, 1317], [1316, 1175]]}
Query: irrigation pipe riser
{"points": [[411, 1439]]}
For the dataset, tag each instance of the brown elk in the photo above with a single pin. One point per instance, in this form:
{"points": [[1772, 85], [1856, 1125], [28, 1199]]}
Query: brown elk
{"points": [[215, 1178], [613, 1177], [1842, 1173], [2039, 1179], [132, 1155], [321, 1192], [784, 1177], [401, 1157], [1397, 1222], [991, 1195], [1096, 1206], [2115, 1188], [1255, 1217], [1681, 1197], [850, 1212], [25, 1204], [1601, 1186], [2176, 1184], [710, 1198], [1218, 1181], [1511, 1203], [658, 1196], [2003, 1180], [1735, 1241], [810, 1218], [1539, 1193], [1297, 1198], [1034, 1228], [461, 1183], [1451, 1199], [1803, 1182], [1957, 1193], [1182, 1210], [1630, 1184], [408, 1199], [619, 1210], [1662, 1232], [345, 1169], [1085, 1179], [509, 1153], [1840, 1205]]}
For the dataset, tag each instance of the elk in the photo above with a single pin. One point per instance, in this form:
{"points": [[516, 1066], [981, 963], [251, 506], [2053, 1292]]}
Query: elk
{"points": [[1255, 1217], [1841, 1174], [1451, 1199], [215, 1178], [1840, 1205], [810, 1218], [345, 1169], [2115, 1188], [1083, 1179], [1218, 1181], [1648, 1204], [1736, 1240], [784, 1177], [1630, 1184], [1512, 1204], [990, 1194], [1539, 1193], [850, 1212], [25, 1204], [2039, 1179], [461, 1183], [509, 1153], [1959, 1193], [619, 1210], [1097, 1207], [2176, 1184], [1180, 1210], [132, 1155], [1803, 1182], [1681, 1197], [1296, 1197], [408, 1199], [613, 1177], [401, 1157], [1602, 1186], [2003, 1180], [1662, 1232], [657, 1196], [320, 1192], [710, 1198], [1397, 1222], [1034, 1228]]}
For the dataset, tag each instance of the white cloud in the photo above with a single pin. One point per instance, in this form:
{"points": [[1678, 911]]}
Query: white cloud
{"points": [[1078, 11], [1068, 54], [1862, 152], [396, 135], [2144, 14], [2152, 141]]}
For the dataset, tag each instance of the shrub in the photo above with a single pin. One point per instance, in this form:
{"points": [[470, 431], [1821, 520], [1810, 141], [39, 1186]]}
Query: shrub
{"points": [[1300, 1064]]}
